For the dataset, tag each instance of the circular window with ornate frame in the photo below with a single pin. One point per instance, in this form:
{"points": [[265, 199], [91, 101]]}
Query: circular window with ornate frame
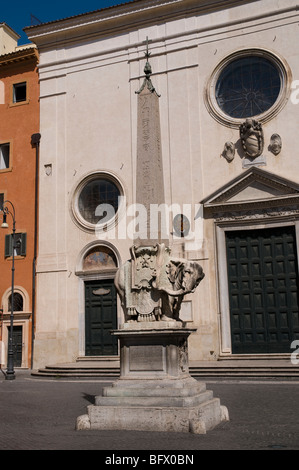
{"points": [[97, 201], [250, 83]]}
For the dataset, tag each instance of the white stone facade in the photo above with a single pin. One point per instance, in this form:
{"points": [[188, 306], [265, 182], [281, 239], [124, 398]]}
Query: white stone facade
{"points": [[90, 68]]}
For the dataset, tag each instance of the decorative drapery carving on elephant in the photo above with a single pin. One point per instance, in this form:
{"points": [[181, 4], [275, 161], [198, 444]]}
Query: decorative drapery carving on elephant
{"points": [[152, 284]]}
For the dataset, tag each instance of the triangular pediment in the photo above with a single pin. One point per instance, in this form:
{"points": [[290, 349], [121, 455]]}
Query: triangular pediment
{"points": [[252, 186]]}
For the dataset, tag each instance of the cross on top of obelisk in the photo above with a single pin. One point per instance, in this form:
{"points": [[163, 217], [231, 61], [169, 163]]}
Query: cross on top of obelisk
{"points": [[147, 70], [147, 53]]}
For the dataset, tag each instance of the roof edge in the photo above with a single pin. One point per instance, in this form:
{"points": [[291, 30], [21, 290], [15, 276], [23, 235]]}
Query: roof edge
{"points": [[14, 33], [29, 53], [129, 8]]}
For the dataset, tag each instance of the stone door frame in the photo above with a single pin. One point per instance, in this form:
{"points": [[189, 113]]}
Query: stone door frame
{"points": [[224, 306], [255, 199]]}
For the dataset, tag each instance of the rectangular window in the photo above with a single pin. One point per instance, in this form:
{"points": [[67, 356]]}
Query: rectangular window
{"points": [[4, 156], [20, 245], [1, 201], [19, 92]]}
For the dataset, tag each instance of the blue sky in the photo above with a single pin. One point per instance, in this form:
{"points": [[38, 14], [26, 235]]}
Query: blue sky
{"points": [[17, 14]]}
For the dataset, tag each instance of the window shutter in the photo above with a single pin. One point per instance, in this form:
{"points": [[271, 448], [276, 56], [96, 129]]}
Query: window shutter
{"points": [[23, 244], [8, 246]]}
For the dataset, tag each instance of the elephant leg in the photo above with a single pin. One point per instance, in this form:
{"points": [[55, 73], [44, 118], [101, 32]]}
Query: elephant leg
{"points": [[177, 308], [166, 310], [158, 311]]}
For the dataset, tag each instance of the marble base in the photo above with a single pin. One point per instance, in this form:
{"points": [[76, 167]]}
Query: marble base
{"points": [[155, 391]]}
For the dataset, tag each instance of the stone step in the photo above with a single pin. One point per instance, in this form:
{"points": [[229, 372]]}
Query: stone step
{"points": [[153, 401], [72, 372], [244, 373], [101, 359], [255, 357], [221, 369]]}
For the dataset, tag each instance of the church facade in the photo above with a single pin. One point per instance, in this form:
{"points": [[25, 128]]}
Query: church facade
{"points": [[226, 74]]}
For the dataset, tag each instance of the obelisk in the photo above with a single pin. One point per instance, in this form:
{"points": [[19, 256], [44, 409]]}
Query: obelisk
{"points": [[149, 168]]}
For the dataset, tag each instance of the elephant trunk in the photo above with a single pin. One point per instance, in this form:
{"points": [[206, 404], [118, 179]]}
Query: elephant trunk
{"points": [[176, 293]]}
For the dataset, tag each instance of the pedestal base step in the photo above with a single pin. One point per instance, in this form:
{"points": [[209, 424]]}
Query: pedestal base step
{"points": [[197, 420], [184, 407]]}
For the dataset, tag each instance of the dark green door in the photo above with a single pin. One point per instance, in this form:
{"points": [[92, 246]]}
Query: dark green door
{"points": [[17, 341], [263, 290], [100, 318]]}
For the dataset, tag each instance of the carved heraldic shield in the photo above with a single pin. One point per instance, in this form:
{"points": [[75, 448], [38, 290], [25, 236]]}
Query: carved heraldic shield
{"points": [[252, 138]]}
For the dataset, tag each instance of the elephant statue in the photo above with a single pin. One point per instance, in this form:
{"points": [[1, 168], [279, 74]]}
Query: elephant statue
{"points": [[184, 277], [160, 289]]}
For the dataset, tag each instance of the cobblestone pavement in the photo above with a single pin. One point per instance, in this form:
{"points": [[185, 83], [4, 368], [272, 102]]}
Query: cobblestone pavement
{"points": [[40, 414]]}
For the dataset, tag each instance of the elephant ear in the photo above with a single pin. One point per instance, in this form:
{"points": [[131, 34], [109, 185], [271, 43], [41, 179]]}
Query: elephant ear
{"points": [[173, 268], [199, 270]]}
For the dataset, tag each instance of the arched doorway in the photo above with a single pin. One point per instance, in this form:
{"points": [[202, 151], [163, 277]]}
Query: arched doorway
{"points": [[21, 324], [99, 266]]}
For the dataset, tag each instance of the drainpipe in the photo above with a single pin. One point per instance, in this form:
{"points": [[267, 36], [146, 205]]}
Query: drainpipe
{"points": [[35, 140]]}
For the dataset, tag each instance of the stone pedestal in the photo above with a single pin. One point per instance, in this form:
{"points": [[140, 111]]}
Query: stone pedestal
{"points": [[155, 391]]}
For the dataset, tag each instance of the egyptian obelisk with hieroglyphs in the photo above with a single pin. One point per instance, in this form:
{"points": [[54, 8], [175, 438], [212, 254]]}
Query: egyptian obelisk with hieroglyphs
{"points": [[149, 174]]}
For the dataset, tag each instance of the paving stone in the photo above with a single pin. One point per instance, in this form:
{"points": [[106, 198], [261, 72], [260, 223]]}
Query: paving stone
{"points": [[41, 414]]}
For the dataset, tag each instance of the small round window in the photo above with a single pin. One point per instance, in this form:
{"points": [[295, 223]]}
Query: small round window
{"points": [[96, 201], [248, 86], [98, 192]]}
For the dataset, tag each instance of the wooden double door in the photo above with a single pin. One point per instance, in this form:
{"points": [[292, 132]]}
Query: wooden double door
{"points": [[17, 341], [263, 284], [100, 318]]}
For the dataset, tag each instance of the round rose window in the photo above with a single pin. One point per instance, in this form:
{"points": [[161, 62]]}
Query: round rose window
{"points": [[248, 86]]}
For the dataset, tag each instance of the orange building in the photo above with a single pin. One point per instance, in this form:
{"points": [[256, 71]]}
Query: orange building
{"points": [[19, 148]]}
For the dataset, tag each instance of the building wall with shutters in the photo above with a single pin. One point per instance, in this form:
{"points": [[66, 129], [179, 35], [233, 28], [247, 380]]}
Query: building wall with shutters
{"points": [[19, 120]]}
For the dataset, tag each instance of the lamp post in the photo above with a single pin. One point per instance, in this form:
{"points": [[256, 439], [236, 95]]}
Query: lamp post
{"points": [[10, 373]]}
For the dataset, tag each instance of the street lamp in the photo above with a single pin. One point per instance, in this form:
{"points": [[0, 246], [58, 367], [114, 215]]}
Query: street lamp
{"points": [[10, 373]]}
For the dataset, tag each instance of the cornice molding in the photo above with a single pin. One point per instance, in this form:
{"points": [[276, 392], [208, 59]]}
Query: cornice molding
{"points": [[258, 211], [123, 17], [96, 17], [25, 55], [53, 37]]}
